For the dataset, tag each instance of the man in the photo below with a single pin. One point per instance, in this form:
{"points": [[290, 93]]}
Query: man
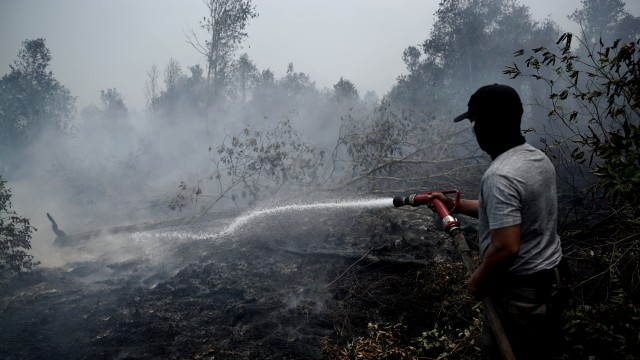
{"points": [[518, 241]]}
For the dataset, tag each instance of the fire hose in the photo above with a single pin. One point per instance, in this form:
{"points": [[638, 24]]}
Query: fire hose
{"points": [[452, 227]]}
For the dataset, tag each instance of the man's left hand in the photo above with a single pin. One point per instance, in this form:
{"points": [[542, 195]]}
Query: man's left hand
{"points": [[473, 285]]}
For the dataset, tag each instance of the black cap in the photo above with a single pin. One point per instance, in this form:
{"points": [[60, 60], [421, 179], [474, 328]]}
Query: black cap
{"points": [[494, 101]]}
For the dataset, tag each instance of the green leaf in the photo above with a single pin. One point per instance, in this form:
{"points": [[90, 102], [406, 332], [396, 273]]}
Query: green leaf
{"points": [[564, 94]]}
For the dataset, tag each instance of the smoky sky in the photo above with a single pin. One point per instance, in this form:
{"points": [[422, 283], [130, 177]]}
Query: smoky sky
{"points": [[98, 45]]}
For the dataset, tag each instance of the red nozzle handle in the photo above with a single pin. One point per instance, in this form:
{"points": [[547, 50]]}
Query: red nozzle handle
{"points": [[448, 221], [440, 209], [424, 199]]}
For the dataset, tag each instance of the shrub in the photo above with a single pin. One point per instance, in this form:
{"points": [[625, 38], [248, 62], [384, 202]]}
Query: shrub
{"points": [[15, 236]]}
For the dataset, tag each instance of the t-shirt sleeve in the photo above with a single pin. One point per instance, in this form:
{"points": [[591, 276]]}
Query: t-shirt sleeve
{"points": [[503, 202]]}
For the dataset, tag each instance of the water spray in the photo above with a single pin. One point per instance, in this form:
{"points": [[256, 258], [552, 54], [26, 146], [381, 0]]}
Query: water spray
{"points": [[257, 217], [330, 205]]}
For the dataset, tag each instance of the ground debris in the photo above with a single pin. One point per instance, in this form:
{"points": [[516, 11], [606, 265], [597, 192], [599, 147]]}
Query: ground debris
{"points": [[260, 295]]}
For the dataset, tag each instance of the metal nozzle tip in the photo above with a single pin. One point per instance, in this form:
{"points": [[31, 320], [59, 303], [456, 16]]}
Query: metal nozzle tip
{"points": [[398, 201]]}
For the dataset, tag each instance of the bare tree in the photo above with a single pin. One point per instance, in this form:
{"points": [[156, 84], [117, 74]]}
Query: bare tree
{"points": [[151, 87], [225, 26], [172, 73], [392, 150]]}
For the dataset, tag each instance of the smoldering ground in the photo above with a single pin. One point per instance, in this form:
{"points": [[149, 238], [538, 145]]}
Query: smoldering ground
{"points": [[175, 284], [266, 290]]}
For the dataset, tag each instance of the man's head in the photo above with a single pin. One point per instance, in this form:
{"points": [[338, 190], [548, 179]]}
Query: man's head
{"points": [[496, 113]]}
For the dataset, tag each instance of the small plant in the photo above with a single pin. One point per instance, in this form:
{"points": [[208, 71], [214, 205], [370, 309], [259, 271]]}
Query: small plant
{"points": [[591, 333], [445, 342], [453, 334]]}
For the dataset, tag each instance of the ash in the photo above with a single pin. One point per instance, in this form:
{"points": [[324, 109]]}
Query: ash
{"points": [[173, 292]]}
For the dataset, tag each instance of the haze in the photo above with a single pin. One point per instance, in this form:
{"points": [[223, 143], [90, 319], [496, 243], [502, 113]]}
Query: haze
{"points": [[98, 45]]}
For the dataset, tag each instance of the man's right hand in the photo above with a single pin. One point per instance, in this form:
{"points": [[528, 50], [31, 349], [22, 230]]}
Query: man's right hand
{"points": [[466, 207], [447, 201]]}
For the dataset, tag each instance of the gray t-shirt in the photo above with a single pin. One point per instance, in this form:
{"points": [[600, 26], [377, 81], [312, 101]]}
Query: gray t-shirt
{"points": [[519, 187]]}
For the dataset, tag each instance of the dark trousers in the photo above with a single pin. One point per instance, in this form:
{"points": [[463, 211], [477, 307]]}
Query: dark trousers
{"points": [[531, 315]]}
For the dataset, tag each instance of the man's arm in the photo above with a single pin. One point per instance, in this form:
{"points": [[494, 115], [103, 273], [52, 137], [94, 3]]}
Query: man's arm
{"points": [[504, 246], [468, 207]]}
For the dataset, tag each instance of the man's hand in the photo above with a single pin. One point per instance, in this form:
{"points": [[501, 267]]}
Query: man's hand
{"points": [[447, 201], [466, 207]]}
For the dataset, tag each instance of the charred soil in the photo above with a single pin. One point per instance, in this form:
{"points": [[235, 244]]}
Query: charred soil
{"points": [[284, 289]]}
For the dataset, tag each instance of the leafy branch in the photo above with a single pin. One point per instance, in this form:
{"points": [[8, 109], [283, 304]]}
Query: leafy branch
{"points": [[595, 95]]}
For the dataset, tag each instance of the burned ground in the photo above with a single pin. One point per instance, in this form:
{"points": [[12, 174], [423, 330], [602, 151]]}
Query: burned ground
{"points": [[274, 291]]}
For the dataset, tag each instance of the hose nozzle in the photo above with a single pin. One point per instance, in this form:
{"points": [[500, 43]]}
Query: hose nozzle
{"points": [[399, 201], [413, 200]]}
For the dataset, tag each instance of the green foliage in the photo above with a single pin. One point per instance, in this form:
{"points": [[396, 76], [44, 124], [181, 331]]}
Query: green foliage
{"points": [[369, 147], [225, 26], [454, 333], [383, 341], [597, 98], [182, 94], [111, 117], [606, 258], [467, 47], [183, 197], [606, 20], [593, 97], [113, 103], [15, 236], [261, 163], [255, 164], [390, 341], [344, 91], [296, 84], [247, 76], [446, 342], [590, 331], [31, 99]]}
